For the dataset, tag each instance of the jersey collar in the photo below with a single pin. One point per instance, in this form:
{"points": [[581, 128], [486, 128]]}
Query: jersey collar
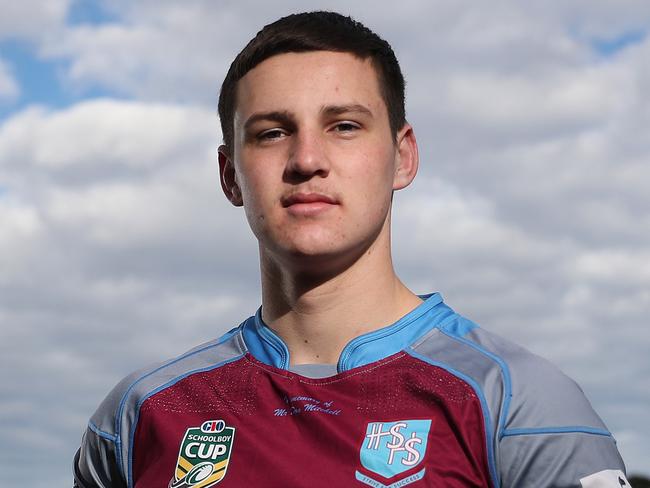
{"points": [[267, 346]]}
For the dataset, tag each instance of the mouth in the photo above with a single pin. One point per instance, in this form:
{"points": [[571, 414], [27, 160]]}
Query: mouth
{"points": [[307, 198], [308, 204]]}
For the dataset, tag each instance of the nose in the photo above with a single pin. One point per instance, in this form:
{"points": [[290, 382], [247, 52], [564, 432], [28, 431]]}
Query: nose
{"points": [[307, 156]]}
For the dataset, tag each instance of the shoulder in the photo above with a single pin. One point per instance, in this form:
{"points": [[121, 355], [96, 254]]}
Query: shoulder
{"points": [[115, 420], [538, 395], [139, 385], [550, 434], [104, 455], [524, 390], [537, 418]]}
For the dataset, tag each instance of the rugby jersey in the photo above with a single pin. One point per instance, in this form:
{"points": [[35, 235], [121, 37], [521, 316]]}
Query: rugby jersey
{"points": [[432, 400]]}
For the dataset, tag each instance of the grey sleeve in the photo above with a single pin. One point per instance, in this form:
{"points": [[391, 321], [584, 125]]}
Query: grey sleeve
{"points": [[552, 437], [561, 460], [95, 464]]}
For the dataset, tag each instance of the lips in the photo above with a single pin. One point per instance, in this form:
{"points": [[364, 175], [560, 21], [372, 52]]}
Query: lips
{"points": [[308, 198], [309, 205]]}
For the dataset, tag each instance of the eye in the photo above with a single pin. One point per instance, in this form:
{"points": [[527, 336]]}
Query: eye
{"points": [[346, 127], [271, 134]]}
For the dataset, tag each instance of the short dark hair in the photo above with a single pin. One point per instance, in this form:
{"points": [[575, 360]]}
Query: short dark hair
{"points": [[316, 31]]}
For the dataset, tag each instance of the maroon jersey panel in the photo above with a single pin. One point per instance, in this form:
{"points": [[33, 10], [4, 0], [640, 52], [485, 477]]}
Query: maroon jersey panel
{"points": [[395, 422]]}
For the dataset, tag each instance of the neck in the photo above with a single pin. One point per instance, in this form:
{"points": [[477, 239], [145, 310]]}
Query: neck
{"points": [[317, 314]]}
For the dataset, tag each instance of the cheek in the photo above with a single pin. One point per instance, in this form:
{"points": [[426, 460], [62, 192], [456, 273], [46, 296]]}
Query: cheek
{"points": [[374, 180], [255, 196], [251, 181]]}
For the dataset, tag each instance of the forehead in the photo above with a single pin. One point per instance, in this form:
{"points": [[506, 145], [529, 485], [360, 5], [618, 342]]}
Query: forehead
{"points": [[298, 81]]}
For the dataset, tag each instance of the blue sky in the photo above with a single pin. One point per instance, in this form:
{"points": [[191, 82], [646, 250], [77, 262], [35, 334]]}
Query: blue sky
{"points": [[530, 213], [39, 80], [84, 12], [611, 46], [42, 79]]}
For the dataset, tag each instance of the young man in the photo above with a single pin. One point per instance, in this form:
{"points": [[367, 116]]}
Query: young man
{"points": [[344, 377]]}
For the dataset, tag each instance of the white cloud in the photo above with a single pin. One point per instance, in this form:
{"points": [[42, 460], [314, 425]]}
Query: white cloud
{"points": [[556, 149], [31, 18], [165, 51], [606, 266], [114, 177], [105, 133], [21, 231], [515, 102]]}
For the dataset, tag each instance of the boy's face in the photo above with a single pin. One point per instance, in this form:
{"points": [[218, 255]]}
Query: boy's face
{"points": [[314, 163]]}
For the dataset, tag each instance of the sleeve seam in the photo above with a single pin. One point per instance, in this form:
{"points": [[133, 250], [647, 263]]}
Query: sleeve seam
{"points": [[579, 429], [101, 433]]}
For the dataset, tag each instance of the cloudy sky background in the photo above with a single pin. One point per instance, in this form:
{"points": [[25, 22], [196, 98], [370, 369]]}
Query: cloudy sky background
{"points": [[531, 212]]}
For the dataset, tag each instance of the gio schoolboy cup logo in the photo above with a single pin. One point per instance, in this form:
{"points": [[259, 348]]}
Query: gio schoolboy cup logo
{"points": [[203, 456], [392, 448]]}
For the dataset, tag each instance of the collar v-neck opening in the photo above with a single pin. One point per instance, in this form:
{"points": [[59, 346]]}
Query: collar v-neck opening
{"points": [[265, 345]]}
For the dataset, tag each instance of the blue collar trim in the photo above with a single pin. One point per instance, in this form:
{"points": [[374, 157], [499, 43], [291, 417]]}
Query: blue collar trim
{"points": [[263, 343], [267, 346]]}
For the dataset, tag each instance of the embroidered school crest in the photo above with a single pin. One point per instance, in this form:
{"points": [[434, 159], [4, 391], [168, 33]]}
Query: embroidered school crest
{"points": [[392, 448], [203, 456]]}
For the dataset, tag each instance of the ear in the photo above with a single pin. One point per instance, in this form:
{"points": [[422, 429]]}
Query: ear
{"points": [[227, 174], [407, 158]]}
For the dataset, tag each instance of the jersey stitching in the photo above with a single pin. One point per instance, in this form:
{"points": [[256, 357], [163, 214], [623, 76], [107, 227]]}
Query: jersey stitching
{"points": [[265, 367], [101, 433], [579, 429]]}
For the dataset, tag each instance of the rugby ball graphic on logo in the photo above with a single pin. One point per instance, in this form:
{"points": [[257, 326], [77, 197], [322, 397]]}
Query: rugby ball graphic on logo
{"points": [[198, 473], [195, 476]]}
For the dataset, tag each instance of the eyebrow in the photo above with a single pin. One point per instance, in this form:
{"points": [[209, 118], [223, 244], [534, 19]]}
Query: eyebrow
{"points": [[346, 109], [283, 117]]}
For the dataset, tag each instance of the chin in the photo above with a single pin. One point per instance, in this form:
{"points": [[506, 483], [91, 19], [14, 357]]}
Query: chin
{"points": [[316, 248], [312, 241], [323, 258], [310, 253]]}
